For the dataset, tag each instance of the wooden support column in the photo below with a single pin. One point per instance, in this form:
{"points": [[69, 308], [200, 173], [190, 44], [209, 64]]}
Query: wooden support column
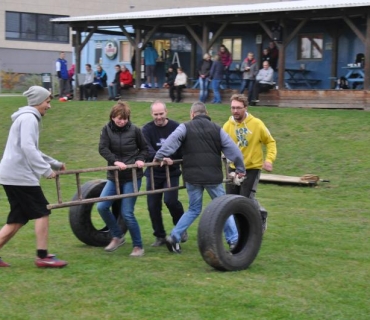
{"points": [[286, 40], [137, 57], [205, 37], [367, 54]]}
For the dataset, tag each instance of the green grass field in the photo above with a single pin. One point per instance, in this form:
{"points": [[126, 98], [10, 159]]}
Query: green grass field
{"points": [[314, 259]]}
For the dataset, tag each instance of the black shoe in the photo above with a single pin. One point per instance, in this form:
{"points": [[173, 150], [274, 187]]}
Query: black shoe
{"points": [[158, 242], [232, 246], [184, 237], [172, 245]]}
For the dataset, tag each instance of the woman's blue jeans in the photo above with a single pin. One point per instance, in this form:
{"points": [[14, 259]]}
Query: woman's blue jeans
{"points": [[195, 194], [127, 211], [203, 86], [216, 90]]}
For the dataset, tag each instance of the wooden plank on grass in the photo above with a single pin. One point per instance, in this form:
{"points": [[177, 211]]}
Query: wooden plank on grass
{"points": [[280, 179]]}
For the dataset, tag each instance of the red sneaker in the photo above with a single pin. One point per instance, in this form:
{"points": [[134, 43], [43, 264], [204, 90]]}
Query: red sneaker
{"points": [[3, 264], [50, 262]]}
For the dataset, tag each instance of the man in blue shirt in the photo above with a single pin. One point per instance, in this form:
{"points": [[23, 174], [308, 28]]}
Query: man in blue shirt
{"points": [[62, 72], [150, 60]]}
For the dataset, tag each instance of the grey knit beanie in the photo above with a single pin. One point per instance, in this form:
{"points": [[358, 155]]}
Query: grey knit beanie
{"points": [[36, 95]]}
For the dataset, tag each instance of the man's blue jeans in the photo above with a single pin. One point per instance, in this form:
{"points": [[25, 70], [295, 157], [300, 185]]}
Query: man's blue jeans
{"points": [[203, 86], [112, 90], [195, 194], [216, 91], [127, 211], [247, 83]]}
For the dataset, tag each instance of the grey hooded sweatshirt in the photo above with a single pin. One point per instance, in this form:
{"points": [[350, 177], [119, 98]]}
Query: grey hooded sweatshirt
{"points": [[23, 163]]}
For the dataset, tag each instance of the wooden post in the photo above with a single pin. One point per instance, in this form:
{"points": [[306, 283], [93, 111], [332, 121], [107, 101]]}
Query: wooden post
{"points": [[137, 57], [367, 54]]}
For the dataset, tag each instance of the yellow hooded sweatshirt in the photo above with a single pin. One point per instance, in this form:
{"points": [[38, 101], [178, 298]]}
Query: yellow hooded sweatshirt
{"points": [[250, 135]]}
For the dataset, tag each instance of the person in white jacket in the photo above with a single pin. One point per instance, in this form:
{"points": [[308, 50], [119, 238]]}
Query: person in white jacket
{"points": [[21, 168], [264, 81], [180, 83]]}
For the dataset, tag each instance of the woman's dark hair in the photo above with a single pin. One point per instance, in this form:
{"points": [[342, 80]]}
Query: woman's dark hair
{"points": [[120, 109]]}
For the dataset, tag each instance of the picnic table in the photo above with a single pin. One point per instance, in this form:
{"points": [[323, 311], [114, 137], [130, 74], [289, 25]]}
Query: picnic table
{"points": [[300, 77]]}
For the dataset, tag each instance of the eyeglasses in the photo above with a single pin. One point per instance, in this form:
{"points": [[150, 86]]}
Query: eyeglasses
{"points": [[237, 108]]}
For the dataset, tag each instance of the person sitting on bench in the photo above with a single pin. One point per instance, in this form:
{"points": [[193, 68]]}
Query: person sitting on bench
{"points": [[100, 81], [125, 80], [264, 81]]}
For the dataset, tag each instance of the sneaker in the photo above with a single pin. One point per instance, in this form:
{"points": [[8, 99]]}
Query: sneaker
{"points": [[158, 242], [147, 86], [184, 237], [115, 244], [137, 252], [232, 246], [172, 245], [3, 264], [50, 261]]}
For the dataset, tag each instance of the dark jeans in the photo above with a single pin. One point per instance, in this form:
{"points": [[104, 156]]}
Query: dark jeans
{"points": [[178, 90], [85, 91], [94, 90], [247, 83], [260, 87], [171, 200], [248, 188]]}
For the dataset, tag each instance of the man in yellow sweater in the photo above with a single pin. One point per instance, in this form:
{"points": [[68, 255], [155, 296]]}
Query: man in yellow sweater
{"points": [[250, 134]]}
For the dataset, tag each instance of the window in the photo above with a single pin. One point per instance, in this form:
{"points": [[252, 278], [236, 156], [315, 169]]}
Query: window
{"points": [[34, 27], [125, 53], [310, 46], [234, 45], [98, 52]]}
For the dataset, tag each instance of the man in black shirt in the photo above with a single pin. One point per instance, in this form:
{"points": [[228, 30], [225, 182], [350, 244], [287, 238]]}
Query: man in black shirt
{"points": [[155, 133]]}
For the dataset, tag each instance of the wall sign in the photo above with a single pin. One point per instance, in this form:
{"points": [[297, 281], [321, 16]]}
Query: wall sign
{"points": [[111, 49]]}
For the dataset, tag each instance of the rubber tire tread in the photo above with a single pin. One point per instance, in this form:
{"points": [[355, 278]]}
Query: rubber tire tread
{"points": [[210, 233], [80, 216]]}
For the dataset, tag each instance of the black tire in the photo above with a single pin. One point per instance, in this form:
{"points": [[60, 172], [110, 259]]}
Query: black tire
{"points": [[210, 233], [80, 216]]}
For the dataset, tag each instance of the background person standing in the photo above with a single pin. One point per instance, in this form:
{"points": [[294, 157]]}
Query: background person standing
{"points": [[63, 76], [21, 168], [150, 59], [226, 59]]}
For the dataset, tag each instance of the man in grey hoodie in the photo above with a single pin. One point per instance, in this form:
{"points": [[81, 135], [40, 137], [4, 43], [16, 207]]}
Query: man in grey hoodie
{"points": [[21, 168]]}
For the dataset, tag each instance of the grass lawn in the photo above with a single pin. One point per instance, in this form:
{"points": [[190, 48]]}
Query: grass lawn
{"points": [[314, 259]]}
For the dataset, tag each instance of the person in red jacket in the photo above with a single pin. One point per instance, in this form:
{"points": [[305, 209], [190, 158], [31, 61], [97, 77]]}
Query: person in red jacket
{"points": [[125, 80]]}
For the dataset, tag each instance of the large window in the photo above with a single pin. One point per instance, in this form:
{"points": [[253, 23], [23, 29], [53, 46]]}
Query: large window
{"points": [[34, 27], [234, 45], [310, 46]]}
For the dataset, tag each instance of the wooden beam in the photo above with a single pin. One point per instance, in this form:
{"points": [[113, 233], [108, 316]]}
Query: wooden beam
{"points": [[194, 35], [128, 36], [217, 34], [83, 44], [295, 31], [265, 28], [149, 35], [357, 32]]}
